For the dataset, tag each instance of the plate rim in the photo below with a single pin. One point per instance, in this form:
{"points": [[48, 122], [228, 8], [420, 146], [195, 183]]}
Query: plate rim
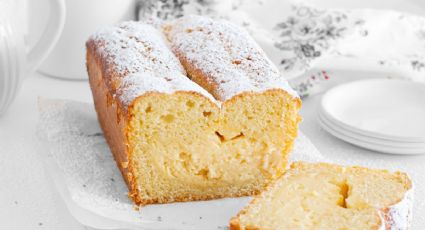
{"points": [[362, 138], [369, 146], [365, 132]]}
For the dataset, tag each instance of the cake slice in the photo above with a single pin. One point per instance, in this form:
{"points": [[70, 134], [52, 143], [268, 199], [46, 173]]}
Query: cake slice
{"points": [[180, 138], [326, 196]]}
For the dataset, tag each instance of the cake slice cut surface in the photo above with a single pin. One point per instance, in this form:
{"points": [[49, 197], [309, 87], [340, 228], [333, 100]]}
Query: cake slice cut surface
{"points": [[325, 196]]}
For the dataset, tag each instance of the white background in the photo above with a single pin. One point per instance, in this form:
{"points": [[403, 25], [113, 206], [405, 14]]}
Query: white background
{"points": [[28, 199]]}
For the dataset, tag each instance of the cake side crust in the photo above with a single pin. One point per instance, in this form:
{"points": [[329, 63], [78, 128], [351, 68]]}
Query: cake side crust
{"points": [[399, 215], [112, 118]]}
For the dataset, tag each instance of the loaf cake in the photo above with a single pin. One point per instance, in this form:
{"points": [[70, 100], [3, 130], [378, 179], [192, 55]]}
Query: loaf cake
{"points": [[191, 111], [326, 196]]}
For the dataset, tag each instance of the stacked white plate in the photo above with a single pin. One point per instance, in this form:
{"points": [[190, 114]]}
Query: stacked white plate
{"points": [[383, 115]]}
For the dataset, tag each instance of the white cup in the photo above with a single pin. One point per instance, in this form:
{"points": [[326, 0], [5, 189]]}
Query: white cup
{"points": [[17, 59], [83, 18]]}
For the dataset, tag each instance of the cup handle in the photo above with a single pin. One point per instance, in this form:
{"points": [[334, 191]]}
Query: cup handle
{"points": [[49, 37]]}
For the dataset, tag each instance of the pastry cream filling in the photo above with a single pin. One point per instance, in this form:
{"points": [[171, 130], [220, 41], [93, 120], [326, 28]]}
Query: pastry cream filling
{"points": [[185, 145]]}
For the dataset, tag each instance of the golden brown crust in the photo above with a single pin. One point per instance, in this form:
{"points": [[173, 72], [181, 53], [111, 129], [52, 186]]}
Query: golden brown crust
{"points": [[197, 76], [193, 198], [235, 224], [111, 117]]}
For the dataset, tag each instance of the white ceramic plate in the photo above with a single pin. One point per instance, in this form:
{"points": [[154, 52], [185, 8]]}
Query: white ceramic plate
{"points": [[379, 141], [382, 108], [355, 140], [368, 144]]}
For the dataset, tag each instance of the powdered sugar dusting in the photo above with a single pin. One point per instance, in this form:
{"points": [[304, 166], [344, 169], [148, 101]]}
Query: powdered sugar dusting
{"points": [[226, 53], [139, 61], [400, 215]]}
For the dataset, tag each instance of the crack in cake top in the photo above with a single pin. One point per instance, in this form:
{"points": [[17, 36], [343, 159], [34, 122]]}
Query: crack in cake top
{"points": [[138, 60], [226, 54]]}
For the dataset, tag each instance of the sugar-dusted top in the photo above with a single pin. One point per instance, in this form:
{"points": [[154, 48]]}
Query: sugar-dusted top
{"points": [[138, 60], [226, 54]]}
